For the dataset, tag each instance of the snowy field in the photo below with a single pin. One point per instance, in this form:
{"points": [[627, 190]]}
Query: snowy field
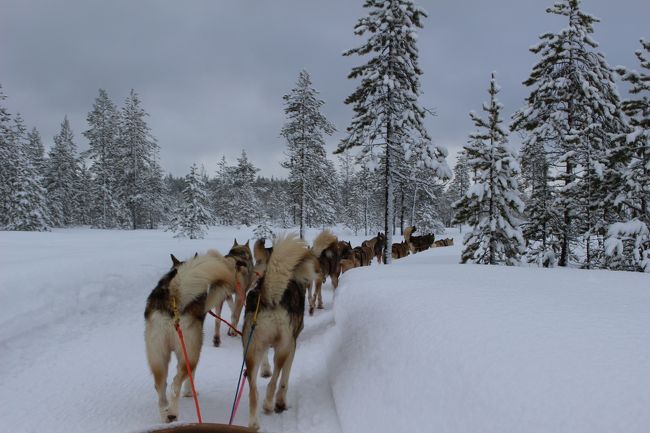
{"points": [[426, 345]]}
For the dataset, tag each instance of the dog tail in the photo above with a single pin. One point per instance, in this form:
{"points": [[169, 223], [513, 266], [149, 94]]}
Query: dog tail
{"points": [[259, 251], [289, 260], [195, 276], [407, 234], [322, 241]]}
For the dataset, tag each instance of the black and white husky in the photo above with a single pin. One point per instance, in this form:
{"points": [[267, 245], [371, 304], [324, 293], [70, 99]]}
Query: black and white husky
{"points": [[194, 286], [280, 292]]}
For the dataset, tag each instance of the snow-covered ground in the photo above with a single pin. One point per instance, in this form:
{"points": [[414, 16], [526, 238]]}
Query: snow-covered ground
{"points": [[425, 345]]}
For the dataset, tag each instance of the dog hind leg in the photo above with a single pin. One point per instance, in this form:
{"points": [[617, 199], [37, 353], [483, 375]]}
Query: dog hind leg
{"points": [[236, 308], [216, 339], [193, 336], [266, 367], [281, 396], [159, 364], [280, 357], [253, 359], [158, 356]]}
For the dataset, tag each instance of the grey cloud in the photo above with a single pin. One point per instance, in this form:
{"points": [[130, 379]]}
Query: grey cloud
{"points": [[212, 73]]}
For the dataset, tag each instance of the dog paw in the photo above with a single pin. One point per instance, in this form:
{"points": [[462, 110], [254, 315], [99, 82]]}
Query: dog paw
{"points": [[163, 415], [171, 418], [254, 425], [320, 306], [232, 333], [216, 341], [266, 373], [280, 407], [187, 392], [311, 311], [268, 407]]}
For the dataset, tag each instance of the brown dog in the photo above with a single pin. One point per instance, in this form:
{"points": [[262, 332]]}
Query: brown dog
{"points": [[326, 250]]}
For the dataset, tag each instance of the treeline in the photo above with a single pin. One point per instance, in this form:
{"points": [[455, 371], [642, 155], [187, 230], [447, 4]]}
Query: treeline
{"points": [[578, 192], [116, 183]]}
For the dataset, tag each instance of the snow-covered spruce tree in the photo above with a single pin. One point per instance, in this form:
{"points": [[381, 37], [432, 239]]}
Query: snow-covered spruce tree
{"points": [[461, 180], [62, 180], [7, 167], [83, 197], [542, 228], [192, 218], [27, 207], [421, 196], [222, 193], [573, 110], [628, 242], [137, 151], [309, 172], [246, 206], [36, 151], [492, 204], [386, 102], [104, 156], [351, 210], [156, 199]]}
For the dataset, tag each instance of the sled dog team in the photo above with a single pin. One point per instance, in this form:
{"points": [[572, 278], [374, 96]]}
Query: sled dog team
{"points": [[276, 278]]}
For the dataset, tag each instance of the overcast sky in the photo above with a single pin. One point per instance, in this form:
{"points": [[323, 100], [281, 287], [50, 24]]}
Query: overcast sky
{"points": [[212, 73]]}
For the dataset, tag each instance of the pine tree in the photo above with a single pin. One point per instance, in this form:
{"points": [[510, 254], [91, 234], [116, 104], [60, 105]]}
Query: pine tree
{"points": [[461, 180], [62, 177], [572, 112], [386, 105], [155, 197], [350, 211], [222, 193], [192, 218], [628, 243], [7, 167], [491, 205], [26, 203], [137, 153], [103, 154], [36, 151], [309, 171], [246, 207]]}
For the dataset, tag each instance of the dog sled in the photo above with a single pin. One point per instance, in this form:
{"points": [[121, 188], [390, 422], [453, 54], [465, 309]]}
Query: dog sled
{"points": [[203, 428]]}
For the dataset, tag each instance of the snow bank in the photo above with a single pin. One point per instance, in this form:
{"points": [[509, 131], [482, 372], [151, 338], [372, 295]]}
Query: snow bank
{"points": [[430, 346]]}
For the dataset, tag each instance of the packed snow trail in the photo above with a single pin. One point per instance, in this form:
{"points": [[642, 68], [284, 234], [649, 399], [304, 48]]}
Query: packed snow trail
{"points": [[73, 349]]}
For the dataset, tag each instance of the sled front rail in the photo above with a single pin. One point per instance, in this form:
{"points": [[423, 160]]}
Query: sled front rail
{"points": [[203, 428]]}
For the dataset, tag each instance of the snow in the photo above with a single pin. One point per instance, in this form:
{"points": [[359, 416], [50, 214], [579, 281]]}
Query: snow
{"points": [[428, 345], [425, 344]]}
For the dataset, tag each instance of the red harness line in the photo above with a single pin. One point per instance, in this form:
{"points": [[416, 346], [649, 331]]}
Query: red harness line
{"points": [[225, 321]]}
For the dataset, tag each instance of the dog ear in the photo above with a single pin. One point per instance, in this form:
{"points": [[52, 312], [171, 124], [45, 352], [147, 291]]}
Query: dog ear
{"points": [[175, 261], [247, 243], [235, 244], [196, 255]]}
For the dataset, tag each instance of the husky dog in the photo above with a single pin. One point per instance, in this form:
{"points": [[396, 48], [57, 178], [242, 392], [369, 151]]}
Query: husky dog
{"points": [[326, 251], [400, 250], [347, 256], [193, 287], [242, 254], [363, 255], [377, 245], [418, 243], [262, 255], [448, 242], [280, 292]]}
